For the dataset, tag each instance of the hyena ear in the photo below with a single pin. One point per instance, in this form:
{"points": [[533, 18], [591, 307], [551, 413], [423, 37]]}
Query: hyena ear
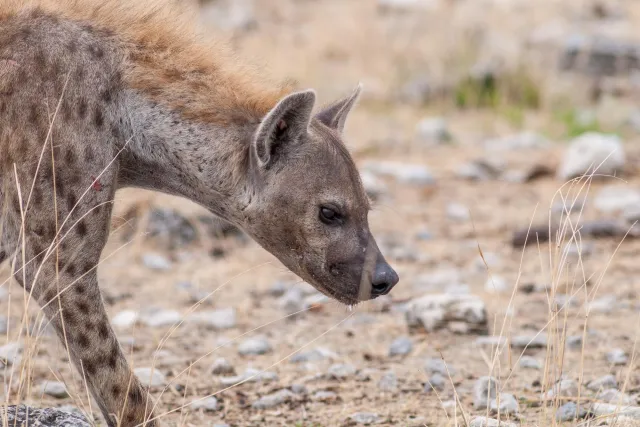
{"points": [[335, 115], [283, 125]]}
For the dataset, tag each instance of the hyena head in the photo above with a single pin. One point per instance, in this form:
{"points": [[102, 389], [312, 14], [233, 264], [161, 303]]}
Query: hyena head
{"points": [[308, 205]]}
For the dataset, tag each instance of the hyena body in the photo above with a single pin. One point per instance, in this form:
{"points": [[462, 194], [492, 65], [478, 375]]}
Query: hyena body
{"points": [[95, 97]]}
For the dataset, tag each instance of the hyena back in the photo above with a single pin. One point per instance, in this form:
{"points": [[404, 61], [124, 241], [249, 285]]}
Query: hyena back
{"points": [[95, 97]]}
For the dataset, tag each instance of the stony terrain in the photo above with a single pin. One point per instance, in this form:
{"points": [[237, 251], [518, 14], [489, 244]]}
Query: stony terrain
{"points": [[476, 117]]}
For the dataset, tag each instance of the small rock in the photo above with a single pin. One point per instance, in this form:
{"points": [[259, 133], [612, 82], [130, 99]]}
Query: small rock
{"points": [[490, 341], [278, 289], [161, 318], [479, 170], [315, 355], [208, 404], [605, 304], [436, 311], [439, 366], [591, 152], [22, 415], [484, 390], [413, 174], [156, 262], [489, 422], [299, 388], [171, 226], [528, 362], [11, 353], [606, 410], [564, 388], [388, 382], [365, 418], [612, 395], [324, 396], [436, 381], [221, 366], [125, 319], [255, 346], [532, 342], [292, 301], [613, 199], [507, 405], [569, 412], [433, 130], [341, 371], [458, 212], [400, 347], [55, 389], [224, 318], [617, 357], [250, 375], [150, 377], [272, 400], [496, 284], [574, 342], [521, 141], [603, 383]]}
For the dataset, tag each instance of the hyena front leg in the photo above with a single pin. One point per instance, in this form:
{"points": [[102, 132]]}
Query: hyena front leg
{"points": [[62, 277]]}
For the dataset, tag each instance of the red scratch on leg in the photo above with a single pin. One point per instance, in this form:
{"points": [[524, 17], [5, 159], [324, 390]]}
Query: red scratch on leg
{"points": [[97, 185]]}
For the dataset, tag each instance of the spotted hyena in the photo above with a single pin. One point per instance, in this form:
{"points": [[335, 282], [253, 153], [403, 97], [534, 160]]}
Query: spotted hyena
{"points": [[100, 95]]}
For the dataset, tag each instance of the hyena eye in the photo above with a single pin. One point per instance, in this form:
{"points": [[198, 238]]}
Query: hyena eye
{"points": [[329, 216]]}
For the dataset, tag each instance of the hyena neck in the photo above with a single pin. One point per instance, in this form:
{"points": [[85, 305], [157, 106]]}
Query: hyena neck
{"points": [[206, 163]]}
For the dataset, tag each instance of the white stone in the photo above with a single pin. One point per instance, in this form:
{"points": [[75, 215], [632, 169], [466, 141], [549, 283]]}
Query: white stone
{"points": [[150, 377], [125, 319], [592, 152]]}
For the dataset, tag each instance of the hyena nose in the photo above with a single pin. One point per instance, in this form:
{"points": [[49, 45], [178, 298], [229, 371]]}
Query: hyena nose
{"points": [[384, 279]]}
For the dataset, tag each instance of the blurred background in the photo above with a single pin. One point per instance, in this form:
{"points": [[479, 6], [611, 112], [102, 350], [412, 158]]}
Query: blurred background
{"points": [[477, 121]]}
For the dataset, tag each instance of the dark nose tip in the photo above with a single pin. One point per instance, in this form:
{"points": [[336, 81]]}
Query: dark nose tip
{"points": [[384, 279]]}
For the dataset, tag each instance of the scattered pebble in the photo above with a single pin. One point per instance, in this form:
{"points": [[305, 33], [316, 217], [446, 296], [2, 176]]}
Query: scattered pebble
{"points": [[315, 355], [156, 261], [404, 173], [161, 318], [224, 318], [388, 382], [324, 396], [617, 198], [507, 404], [11, 353], [438, 366], [496, 284], [528, 362], [489, 422], [436, 381], [150, 377], [484, 390], [208, 404], [400, 346], [221, 366], [592, 152], [458, 212], [341, 371], [433, 131], [564, 388], [617, 357], [612, 395], [435, 311], [125, 319], [603, 383], [569, 412], [272, 400], [55, 389], [255, 346], [365, 418]]}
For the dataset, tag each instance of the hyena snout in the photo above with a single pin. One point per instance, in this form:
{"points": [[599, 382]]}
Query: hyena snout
{"points": [[383, 279]]}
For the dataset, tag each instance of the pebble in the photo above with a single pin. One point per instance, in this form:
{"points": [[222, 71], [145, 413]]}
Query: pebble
{"points": [[433, 131], [11, 353], [150, 377], [484, 390], [617, 198], [439, 366], [365, 418], [55, 389], [436, 311], [521, 141], [605, 304], [341, 371], [298, 388], [413, 174], [564, 388], [221, 366], [250, 375], [161, 318], [496, 284], [489, 422], [506, 405], [603, 383], [592, 151], [528, 362], [4, 324], [292, 301], [125, 319], [538, 341], [224, 318], [617, 357], [324, 396], [400, 346], [208, 404], [255, 346], [373, 186], [436, 381], [612, 395], [272, 400], [606, 410], [156, 262], [458, 212], [64, 416], [388, 382], [569, 412], [315, 355]]}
